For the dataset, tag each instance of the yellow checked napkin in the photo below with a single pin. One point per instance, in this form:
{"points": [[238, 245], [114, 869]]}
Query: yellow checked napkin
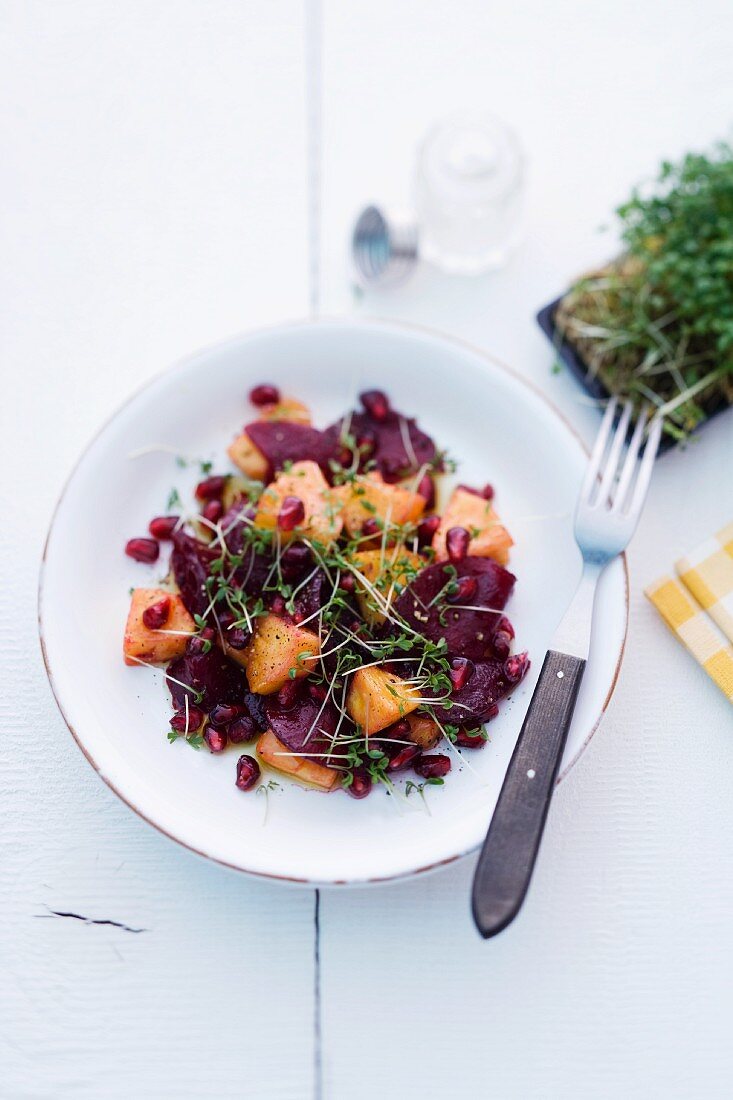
{"points": [[698, 607]]}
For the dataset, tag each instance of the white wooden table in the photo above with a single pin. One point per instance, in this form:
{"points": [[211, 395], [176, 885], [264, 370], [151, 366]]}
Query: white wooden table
{"points": [[178, 171]]}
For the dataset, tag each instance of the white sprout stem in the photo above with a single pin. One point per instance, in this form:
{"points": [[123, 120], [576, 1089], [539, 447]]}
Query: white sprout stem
{"points": [[178, 633], [474, 607]]}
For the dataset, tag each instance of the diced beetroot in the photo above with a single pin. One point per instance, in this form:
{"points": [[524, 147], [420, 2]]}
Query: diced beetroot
{"points": [[212, 675], [392, 458], [190, 562], [312, 597], [282, 441], [376, 404], [467, 633], [476, 701], [237, 637], [233, 525], [253, 572], [292, 725], [296, 560]]}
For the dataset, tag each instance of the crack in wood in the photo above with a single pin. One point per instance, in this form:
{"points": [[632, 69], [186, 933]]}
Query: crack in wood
{"points": [[90, 920]]}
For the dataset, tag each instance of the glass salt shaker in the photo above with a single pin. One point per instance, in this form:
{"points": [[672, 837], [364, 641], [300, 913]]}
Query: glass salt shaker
{"points": [[469, 192]]}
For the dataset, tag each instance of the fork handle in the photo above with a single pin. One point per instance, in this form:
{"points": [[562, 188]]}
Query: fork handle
{"points": [[510, 849]]}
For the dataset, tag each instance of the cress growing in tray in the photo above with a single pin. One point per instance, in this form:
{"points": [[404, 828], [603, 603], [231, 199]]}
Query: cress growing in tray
{"points": [[319, 610]]}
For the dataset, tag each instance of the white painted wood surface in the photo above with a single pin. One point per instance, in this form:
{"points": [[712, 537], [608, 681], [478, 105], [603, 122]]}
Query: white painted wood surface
{"points": [[154, 198]]}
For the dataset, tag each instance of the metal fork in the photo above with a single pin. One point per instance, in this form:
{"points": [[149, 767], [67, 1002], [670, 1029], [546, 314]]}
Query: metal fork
{"points": [[610, 503]]}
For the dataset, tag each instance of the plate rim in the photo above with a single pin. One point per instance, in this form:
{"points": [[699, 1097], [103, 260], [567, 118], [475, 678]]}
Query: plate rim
{"points": [[327, 321]]}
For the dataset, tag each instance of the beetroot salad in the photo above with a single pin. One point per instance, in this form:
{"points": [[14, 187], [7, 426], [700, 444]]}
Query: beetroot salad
{"points": [[320, 608]]}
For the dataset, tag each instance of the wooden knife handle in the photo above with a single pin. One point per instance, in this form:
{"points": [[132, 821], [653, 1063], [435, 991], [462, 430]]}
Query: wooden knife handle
{"points": [[510, 849]]}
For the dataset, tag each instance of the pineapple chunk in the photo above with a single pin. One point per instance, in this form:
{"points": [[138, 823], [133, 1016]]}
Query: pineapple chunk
{"points": [[248, 458], [153, 646], [277, 646], [377, 699], [322, 522], [274, 753], [489, 539], [372, 498], [389, 572], [423, 730], [287, 408]]}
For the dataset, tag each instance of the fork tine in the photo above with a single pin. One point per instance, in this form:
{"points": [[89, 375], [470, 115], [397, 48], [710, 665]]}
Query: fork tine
{"points": [[647, 464], [632, 455], [612, 461], [599, 448]]}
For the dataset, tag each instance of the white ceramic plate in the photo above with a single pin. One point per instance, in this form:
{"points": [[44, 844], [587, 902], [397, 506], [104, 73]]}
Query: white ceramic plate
{"points": [[499, 429]]}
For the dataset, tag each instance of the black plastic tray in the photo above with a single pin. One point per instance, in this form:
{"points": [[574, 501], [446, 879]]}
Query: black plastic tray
{"points": [[593, 386]]}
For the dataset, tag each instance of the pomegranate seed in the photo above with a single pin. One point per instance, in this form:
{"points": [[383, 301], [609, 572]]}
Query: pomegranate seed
{"points": [[347, 582], [426, 489], [376, 404], [291, 514], [238, 637], [470, 739], [370, 527], [460, 670], [197, 644], [515, 667], [466, 588], [241, 729], [215, 739], [432, 766], [213, 511], [248, 772], [146, 550], [162, 527], [360, 785], [403, 758], [157, 614], [278, 605], [501, 643], [264, 394], [223, 713], [287, 693], [488, 492], [210, 488], [317, 692], [195, 720], [456, 543], [426, 528]]}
